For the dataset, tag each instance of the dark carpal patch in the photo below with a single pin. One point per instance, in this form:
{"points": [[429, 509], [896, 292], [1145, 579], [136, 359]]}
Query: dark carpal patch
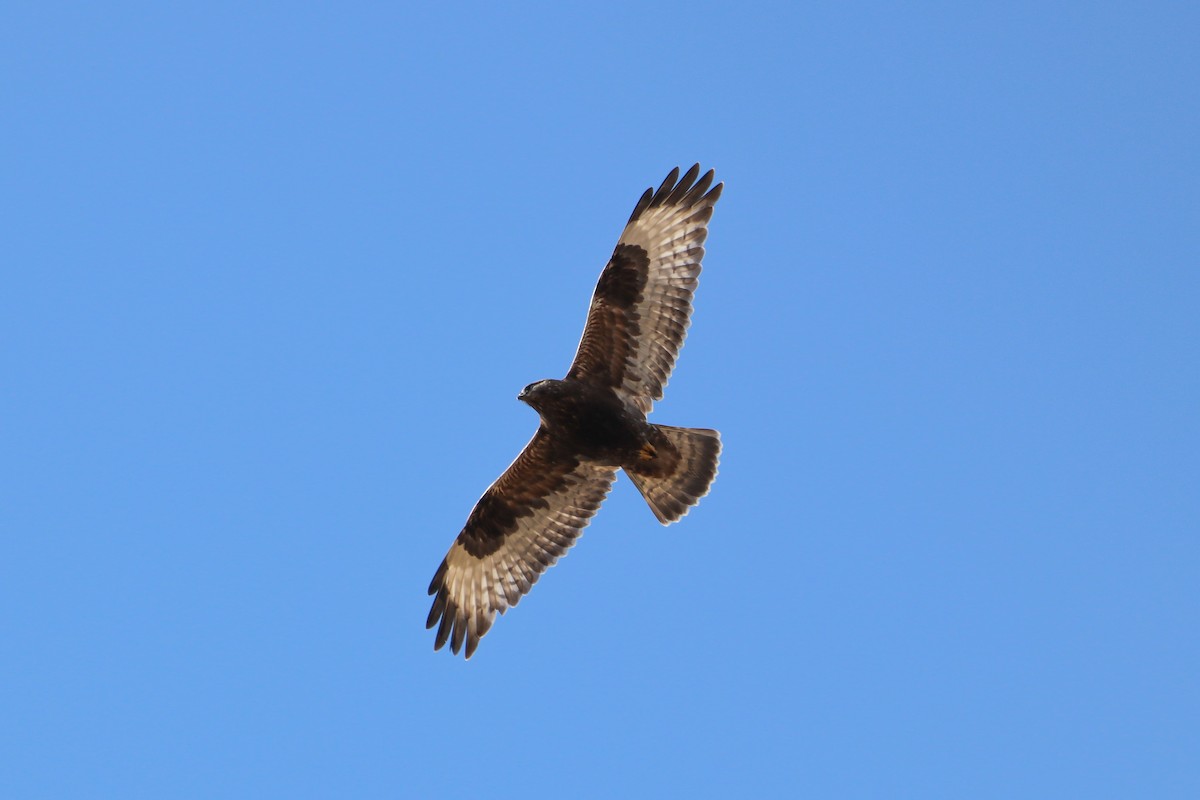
{"points": [[613, 328], [622, 281], [539, 472]]}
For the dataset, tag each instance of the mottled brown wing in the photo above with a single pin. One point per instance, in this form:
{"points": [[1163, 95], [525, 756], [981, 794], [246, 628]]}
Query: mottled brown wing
{"points": [[523, 523], [643, 301]]}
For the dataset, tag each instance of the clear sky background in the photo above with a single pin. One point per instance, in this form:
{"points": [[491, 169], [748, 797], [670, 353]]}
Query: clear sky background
{"points": [[274, 273]]}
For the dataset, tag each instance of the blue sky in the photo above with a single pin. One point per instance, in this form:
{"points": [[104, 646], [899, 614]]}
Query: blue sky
{"points": [[274, 275]]}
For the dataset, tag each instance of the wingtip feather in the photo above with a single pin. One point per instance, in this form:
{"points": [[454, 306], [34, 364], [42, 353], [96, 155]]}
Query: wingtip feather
{"points": [[684, 185], [667, 183], [435, 612]]}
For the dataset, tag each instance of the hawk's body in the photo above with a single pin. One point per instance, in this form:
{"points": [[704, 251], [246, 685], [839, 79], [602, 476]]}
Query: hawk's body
{"points": [[593, 422]]}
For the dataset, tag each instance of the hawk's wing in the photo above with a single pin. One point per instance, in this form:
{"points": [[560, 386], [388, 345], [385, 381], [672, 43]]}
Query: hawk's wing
{"points": [[643, 301], [523, 523]]}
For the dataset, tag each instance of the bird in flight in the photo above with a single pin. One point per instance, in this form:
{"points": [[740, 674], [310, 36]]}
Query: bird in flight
{"points": [[593, 421]]}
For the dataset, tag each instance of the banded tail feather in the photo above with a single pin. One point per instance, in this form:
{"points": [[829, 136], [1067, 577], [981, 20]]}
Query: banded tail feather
{"points": [[680, 472]]}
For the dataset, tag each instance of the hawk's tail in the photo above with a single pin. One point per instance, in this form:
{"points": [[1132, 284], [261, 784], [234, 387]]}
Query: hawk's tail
{"points": [[676, 469]]}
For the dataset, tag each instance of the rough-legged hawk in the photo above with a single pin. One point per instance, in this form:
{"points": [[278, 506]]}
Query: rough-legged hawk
{"points": [[593, 422]]}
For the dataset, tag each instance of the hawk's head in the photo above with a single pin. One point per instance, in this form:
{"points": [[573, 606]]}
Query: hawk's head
{"points": [[536, 392]]}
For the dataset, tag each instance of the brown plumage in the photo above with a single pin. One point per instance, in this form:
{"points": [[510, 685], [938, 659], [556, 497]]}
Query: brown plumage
{"points": [[593, 422]]}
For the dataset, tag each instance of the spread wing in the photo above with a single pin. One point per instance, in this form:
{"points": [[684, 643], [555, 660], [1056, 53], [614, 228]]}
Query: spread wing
{"points": [[643, 301], [523, 523]]}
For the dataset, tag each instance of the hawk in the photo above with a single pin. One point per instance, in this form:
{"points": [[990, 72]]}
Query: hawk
{"points": [[593, 421]]}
